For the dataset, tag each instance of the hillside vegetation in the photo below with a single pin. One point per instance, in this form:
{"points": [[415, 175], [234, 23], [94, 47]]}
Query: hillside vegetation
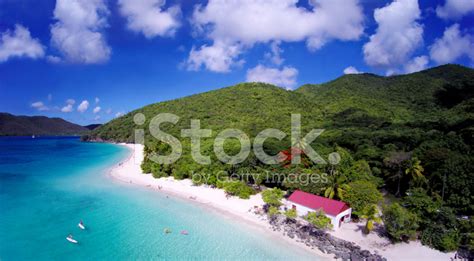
{"points": [[11, 125], [409, 135]]}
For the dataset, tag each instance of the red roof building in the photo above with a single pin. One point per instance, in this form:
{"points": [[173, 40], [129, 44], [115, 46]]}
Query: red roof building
{"points": [[305, 202]]}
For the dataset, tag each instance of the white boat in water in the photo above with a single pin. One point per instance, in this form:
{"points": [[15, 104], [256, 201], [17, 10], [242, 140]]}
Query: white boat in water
{"points": [[81, 226], [70, 239]]}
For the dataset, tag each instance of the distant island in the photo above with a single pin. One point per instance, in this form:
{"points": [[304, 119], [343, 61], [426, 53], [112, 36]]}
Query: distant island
{"points": [[12, 125], [405, 143]]}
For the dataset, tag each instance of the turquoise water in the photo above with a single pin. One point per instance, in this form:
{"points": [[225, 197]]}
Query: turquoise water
{"points": [[48, 184]]}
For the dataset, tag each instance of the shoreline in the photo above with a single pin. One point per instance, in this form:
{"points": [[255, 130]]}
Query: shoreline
{"points": [[129, 171]]}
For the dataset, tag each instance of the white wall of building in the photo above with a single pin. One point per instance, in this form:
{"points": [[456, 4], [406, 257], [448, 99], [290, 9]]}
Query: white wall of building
{"points": [[303, 211]]}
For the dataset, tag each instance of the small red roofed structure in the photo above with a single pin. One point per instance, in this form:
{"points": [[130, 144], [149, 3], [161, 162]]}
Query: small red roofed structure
{"points": [[304, 202]]}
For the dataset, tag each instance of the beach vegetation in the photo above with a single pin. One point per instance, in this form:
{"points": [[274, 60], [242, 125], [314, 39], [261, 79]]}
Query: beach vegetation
{"points": [[291, 213], [273, 196], [318, 219], [400, 223]]}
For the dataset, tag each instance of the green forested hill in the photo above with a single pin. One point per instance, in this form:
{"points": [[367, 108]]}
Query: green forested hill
{"points": [[351, 100], [398, 99], [11, 125], [410, 135]]}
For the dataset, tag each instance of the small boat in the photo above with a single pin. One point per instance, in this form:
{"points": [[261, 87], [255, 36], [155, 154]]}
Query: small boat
{"points": [[167, 230], [70, 239], [81, 226], [33, 136], [184, 232]]}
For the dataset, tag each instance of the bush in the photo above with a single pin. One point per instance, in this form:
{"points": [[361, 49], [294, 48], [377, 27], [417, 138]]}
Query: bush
{"points": [[360, 195], [273, 196], [442, 230], [273, 211], [437, 236], [400, 223], [238, 188], [291, 213], [319, 220]]}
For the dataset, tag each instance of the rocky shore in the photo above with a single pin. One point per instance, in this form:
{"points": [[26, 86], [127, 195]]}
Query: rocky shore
{"points": [[316, 238]]}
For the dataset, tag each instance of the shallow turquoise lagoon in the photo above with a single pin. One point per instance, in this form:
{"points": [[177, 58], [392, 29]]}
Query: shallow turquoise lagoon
{"points": [[48, 184]]}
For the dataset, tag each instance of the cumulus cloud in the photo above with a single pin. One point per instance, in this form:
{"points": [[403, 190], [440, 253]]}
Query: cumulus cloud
{"points": [[397, 36], [219, 57], [40, 106], [234, 26], [455, 9], [83, 106], [70, 101], [150, 18], [285, 77], [67, 108], [77, 34], [96, 110], [19, 43], [351, 70], [417, 64], [119, 114], [452, 45]]}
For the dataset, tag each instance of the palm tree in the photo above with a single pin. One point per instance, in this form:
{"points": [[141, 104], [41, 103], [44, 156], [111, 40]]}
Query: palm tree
{"points": [[372, 216], [415, 170], [396, 161], [336, 187]]}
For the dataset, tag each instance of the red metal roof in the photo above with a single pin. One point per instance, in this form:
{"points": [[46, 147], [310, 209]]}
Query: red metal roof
{"points": [[329, 206]]}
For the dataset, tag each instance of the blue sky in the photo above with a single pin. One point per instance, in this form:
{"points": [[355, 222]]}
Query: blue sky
{"points": [[58, 57]]}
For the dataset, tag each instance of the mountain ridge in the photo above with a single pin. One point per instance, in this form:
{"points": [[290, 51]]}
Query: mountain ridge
{"points": [[20, 125]]}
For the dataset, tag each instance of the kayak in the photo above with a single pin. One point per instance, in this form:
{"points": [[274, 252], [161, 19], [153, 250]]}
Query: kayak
{"points": [[81, 226], [184, 232], [72, 240]]}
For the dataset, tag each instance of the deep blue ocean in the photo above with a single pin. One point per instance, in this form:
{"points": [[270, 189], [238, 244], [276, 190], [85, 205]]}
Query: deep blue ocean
{"points": [[47, 185]]}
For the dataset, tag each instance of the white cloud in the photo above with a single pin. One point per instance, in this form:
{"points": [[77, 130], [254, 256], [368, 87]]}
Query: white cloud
{"points": [[452, 46], [83, 106], [234, 26], [351, 70], [53, 59], [50, 97], [119, 114], [285, 77], [97, 100], [96, 110], [398, 34], [417, 64], [148, 17], [218, 57], [39, 105], [97, 117], [108, 111], [274, 56], [67, 108], [19, 44], [70, 101], [77, 32], [455, 9]]}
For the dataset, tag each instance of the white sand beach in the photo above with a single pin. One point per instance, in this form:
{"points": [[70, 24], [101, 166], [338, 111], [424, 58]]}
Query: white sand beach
{"points": [[129, 171], [413, 250]]}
